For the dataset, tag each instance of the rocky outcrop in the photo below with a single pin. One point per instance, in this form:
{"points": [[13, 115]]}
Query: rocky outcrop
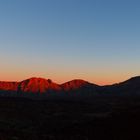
{"points": [[38, 85]]}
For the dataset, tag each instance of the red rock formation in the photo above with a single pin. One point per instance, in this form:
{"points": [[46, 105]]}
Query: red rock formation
{"points": [[74, 84], [9, 86], [38, 85]]}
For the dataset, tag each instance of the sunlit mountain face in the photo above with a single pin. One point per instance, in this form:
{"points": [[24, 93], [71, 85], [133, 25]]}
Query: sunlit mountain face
{"points": [[76, 84], [41, 86], [9, 86], [44, 86], [38, 85]]}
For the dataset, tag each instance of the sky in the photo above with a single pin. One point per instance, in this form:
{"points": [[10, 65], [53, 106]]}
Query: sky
{"points": [[94, 40]]}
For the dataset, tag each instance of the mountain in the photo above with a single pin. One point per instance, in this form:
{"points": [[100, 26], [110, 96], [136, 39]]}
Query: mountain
{"points": [[9, 86], [41, 86], [134, 81], [38, 85], [128, 87], [80, 87], [76, 84]]}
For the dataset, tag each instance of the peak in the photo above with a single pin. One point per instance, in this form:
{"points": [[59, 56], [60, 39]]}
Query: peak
{"points": [[35, 78], [77, 81], [36, 85], [75, 84], [38, 79]]}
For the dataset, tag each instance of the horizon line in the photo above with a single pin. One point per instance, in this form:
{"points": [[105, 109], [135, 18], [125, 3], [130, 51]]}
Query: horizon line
{"points": [[69, 80]]}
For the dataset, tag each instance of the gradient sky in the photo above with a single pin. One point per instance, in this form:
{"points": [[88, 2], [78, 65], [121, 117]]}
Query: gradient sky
{"points": [[95, 40]]}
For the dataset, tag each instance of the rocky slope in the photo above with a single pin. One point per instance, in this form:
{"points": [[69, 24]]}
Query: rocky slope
{"points": [[44, 86], [38, 85]]}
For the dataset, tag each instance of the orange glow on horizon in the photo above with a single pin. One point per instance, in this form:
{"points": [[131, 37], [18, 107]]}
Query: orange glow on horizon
{"points": [[98, 81], [61, 75]]}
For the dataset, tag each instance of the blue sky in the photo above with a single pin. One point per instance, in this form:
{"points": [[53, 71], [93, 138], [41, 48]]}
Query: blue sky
{"points": [[95, 40]]}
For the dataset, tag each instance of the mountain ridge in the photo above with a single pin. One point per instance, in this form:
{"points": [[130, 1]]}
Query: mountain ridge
{"points": [[39, 83], [42, 85]]}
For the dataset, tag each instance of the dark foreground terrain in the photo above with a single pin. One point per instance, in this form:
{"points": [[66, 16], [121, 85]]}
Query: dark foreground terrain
{"points": [[111, 118]]}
